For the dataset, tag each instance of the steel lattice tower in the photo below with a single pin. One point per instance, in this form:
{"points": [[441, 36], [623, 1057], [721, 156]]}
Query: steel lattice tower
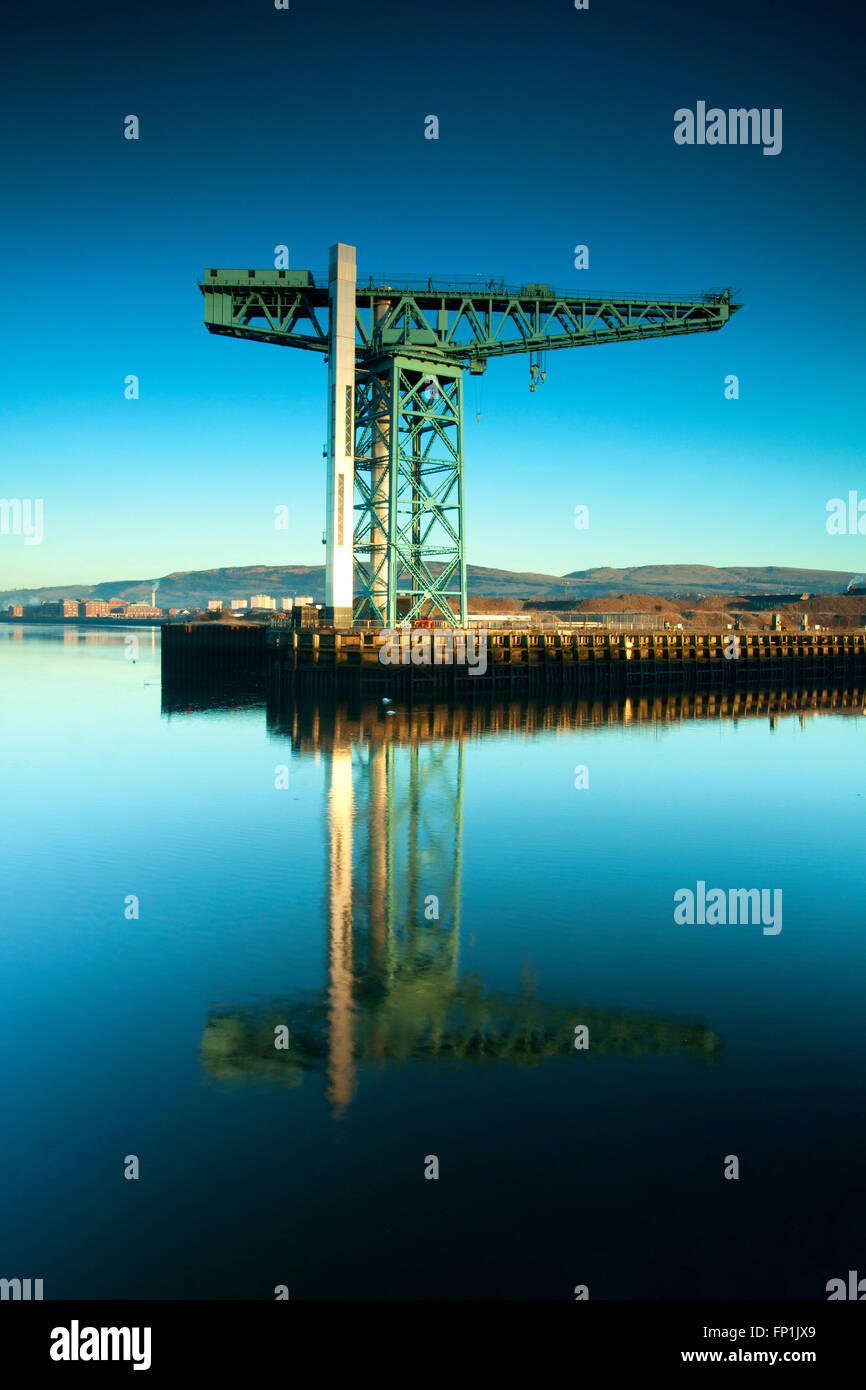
{"points": [[397, 352]]}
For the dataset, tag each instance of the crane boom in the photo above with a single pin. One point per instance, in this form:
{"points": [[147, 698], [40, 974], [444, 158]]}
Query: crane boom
{"points": [[455, 321]]}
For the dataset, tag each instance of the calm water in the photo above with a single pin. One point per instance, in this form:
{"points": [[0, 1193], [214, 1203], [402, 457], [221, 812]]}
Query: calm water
{"points": [[312, 905]]}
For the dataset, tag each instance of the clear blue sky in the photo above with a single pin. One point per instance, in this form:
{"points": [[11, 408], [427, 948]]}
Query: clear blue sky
{"points": [[305, 127]]}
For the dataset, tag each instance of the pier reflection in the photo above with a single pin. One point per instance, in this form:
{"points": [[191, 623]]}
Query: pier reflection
{"points": [[394, 989], [467, 719]]}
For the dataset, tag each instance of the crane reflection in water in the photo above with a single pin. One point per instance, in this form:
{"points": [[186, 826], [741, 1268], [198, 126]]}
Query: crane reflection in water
{"points": [[395, 992]]}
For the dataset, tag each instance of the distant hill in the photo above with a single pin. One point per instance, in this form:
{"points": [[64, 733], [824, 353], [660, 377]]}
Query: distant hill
{"points": [[671, 581], [193, 588]]}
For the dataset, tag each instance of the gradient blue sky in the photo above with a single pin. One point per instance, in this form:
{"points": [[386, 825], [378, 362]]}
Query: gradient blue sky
{"points": [[305, 127]]}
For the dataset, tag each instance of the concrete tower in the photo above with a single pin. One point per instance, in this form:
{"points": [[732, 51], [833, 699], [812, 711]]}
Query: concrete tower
{"points": [[340, 484]]}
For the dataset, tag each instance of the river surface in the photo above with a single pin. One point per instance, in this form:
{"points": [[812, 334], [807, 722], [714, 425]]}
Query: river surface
{"points": [[434, 911]]}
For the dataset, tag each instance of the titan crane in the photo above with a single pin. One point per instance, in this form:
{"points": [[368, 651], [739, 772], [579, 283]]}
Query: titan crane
{"points": [[396, 353]]}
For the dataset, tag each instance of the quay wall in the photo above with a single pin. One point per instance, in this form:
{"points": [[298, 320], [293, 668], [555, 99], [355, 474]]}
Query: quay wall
{"points": [[526, 660]]}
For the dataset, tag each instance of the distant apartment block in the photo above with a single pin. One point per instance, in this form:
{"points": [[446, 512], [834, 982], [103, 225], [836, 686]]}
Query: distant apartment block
{"points": [[301, 599], [60, 608], [214, 605], [141, 610], [16, 610], [287, 604], [262, 601], [238, 603], [94, 608]]}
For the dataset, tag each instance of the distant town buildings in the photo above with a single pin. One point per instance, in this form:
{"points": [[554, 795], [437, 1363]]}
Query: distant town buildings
{"points": [[67, 608], [283, 608], [122, 608], [256, 603]]}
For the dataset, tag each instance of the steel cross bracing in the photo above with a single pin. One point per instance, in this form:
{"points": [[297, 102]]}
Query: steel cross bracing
{"points": [[407, 541], [397, 351]]}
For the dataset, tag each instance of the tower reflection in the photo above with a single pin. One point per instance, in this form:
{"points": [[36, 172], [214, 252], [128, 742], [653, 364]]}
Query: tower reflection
{"points": [[394, 989]]}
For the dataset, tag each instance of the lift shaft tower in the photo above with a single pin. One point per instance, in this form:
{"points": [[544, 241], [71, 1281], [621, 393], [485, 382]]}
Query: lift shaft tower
{"points": [[397, 351]]}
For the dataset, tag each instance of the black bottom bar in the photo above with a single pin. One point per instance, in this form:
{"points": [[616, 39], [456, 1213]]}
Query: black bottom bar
{"points": [[224, 1339]]}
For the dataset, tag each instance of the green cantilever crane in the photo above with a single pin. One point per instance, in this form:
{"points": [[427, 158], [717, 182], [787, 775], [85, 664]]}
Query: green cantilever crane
{"points": [[396, 354]]}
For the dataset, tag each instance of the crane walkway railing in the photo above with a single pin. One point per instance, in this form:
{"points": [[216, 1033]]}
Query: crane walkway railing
{"points": [[371, 281]]}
